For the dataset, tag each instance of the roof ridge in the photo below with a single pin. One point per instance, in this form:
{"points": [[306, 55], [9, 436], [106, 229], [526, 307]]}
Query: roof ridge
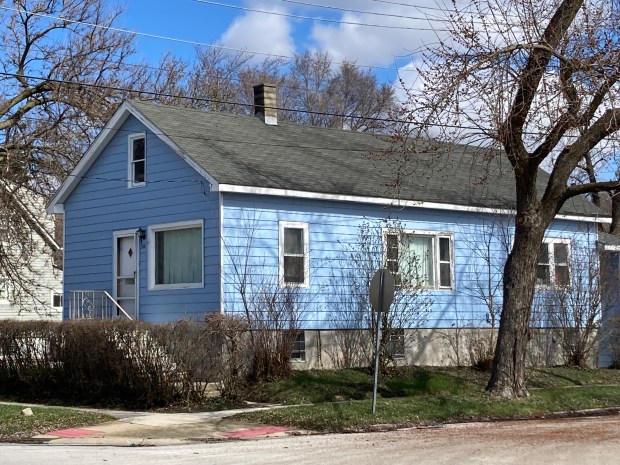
{"points": [[250, 117]]}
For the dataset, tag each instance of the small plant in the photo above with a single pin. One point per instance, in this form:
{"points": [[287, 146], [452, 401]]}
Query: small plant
{"points": [[232, 332]]}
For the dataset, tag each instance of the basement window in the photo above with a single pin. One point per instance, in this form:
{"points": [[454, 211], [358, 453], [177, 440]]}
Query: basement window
{"points": [[298, 354], [56, 300], [5, 289], [396, 343]]}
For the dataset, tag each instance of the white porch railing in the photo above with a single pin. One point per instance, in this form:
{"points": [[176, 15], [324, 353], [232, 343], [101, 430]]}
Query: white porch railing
{"points": [[95, 305]]}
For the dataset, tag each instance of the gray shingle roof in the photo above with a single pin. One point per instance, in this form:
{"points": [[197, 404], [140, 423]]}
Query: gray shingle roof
{"points": [[242, 150], [608, 239]]}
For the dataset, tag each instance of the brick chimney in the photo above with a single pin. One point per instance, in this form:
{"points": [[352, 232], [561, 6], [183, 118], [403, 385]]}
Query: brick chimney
{"points": [[265, 103]]}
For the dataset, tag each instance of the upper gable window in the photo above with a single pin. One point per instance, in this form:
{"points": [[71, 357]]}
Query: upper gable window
{"points": [[137, 160]]}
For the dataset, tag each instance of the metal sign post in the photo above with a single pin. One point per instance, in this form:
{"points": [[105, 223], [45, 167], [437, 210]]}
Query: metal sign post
{"points": [[381, 296]]}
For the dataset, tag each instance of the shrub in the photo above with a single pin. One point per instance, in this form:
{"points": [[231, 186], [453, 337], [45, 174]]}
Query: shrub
{"points": [[124, 363]]}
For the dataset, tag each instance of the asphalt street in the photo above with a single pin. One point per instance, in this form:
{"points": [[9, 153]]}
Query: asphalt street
{"points": [[589, 440]]}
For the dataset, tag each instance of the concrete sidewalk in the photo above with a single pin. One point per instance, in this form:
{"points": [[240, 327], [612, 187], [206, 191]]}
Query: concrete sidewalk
{"points": [[155, 429]]}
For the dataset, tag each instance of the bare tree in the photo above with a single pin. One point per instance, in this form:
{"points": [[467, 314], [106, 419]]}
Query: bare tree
{"points": [[311, 90], [344, 97], [58, 75], [573, 312], [376, 246], [273, 312], [538, 80], [490, 249]]}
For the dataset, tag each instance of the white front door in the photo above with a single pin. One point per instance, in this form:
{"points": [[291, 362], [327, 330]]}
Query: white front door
{"points": [[125, 274]]}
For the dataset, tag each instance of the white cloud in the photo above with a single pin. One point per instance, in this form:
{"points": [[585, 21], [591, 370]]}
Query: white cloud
{"points": [[259, 32], [408, 80], [378, 46]]}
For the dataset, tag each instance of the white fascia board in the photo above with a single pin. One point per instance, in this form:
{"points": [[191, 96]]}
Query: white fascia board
{"points": [[608, 247], [56, 205], [55, 208], [589, 219], [388, 202]]}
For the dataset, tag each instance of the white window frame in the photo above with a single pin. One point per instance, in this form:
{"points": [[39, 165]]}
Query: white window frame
{"points": [[151, 265], [436, 235], [131, 183], [52, 295], [548, 241], [396, 341], [294, 225], [301, 334]]}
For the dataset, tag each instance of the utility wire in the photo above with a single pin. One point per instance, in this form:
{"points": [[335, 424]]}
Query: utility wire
{"points": [[408, 5], [323, 20], [184, 41], [232, 78], [349, 10], [198, 99], [249, 105]]}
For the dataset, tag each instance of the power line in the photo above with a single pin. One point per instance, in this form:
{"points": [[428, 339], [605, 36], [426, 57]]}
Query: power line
{"points": [[349, 10], [185, 41], [249, 105], [323, 20], [232, 78], [199, 99], [408, 5]]}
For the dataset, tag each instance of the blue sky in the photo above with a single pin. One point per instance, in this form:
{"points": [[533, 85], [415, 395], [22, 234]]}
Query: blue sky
{"points": [[388, 48]]}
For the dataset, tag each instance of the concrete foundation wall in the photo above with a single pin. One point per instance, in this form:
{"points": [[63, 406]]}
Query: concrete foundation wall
{"points": [[426, 347]]}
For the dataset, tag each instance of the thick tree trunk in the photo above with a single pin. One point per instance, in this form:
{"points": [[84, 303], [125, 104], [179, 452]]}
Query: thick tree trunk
{"points": [[508, 375]]}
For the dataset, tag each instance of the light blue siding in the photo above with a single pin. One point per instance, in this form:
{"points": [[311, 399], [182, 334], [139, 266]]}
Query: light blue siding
{"points": [[333, 229], [102, 203]]}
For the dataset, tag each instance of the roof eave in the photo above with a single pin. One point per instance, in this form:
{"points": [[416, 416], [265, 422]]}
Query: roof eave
{"points": [[254, 190], [56, 205]]}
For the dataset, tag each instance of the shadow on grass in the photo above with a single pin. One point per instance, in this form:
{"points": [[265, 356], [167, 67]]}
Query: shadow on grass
{"points": [[554, 374]]}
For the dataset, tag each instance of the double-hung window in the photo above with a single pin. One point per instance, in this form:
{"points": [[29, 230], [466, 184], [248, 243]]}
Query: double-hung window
{"points": [[554, 263], [137, 160], [294, 258], [176, 255], [420, 259]]}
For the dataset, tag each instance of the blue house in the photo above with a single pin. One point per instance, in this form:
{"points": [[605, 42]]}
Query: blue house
{"points": [[174, 213]]}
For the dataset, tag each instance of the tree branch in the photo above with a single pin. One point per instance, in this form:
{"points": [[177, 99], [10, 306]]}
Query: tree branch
{"points": [[590, 188], [511, 132]]}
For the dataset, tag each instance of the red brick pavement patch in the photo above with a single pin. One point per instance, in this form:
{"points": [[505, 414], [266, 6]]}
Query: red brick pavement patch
{"points": [[73, 432], [254, 432]]}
